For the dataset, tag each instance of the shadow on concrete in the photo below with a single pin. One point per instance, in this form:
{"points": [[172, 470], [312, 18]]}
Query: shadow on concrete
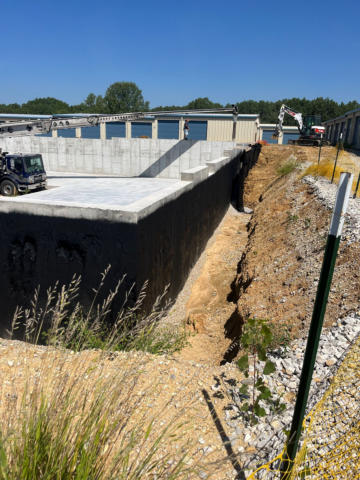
{"points": [[240, 475], [167, 159]]}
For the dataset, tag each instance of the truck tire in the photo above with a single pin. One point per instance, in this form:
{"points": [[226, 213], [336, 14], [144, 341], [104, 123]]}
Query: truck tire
{"points": [[8, 188]]}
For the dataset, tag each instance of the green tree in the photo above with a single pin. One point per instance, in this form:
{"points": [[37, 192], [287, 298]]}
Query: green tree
{"points": [[10, 108], [92, 104], [125, 97], [255, 341], [45, 106], [202, 103]]}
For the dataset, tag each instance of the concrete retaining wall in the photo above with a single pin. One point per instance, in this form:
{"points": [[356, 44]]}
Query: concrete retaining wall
{"points": [[119, 156], [160, 247]]}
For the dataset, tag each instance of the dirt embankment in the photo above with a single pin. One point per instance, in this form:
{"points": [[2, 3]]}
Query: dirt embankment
{"points": [[279, 267]]}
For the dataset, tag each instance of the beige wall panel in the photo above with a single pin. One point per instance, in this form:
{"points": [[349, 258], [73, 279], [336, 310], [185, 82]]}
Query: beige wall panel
{"points": [[219, 130], [246, 131]]}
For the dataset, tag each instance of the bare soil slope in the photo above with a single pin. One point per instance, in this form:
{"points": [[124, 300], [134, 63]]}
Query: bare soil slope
{"points": [[278, 269]]}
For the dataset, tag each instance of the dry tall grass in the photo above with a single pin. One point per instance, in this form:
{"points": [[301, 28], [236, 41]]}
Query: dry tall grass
{"points": [[69, 415], [325, 169]]}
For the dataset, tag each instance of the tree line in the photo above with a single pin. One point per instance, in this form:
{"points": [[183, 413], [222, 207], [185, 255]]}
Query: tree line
{"points": [[127, 97]]}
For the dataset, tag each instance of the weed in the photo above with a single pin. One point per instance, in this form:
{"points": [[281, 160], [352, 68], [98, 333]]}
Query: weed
{"points": [[292, 218], [281, 336], [307, 222], [59, 431], [77, 420], [289, 166], [255, 340], [63, 322]]}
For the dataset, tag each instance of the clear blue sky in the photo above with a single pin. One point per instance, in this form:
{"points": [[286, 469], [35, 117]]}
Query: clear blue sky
{"points": [[175, 51]]}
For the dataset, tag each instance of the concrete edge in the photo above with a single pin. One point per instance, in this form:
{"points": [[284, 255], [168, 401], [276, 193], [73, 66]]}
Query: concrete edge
{"points": [[215, 165], [195, 174]]}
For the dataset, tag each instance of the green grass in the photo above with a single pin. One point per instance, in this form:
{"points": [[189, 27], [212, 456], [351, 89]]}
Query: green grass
{"points": [[289, 166], [65, 429], [69, 434], [63, 322]]}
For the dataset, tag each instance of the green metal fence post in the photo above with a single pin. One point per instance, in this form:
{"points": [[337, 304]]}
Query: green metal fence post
{"points": [[332, 245]]}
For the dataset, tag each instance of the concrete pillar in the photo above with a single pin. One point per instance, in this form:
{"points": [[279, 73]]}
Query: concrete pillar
{"points": [[103, 131], [54, 133], [154, 130], [280, 138], [128, 129], [78, 132], [181, 129]]}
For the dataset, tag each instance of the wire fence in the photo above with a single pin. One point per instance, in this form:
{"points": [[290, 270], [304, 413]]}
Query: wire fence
{"points": [[331, 432]]}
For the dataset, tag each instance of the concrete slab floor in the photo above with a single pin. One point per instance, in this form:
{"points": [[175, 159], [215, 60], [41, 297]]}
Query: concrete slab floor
{"points": [[101, 192]]}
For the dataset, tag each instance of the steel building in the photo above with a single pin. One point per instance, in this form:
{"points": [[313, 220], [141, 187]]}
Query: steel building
{"points": [[347, 125], [210, 127]]}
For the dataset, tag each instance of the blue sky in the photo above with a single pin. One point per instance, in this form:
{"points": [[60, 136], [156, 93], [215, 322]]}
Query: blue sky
{"points": [[227, 50]]}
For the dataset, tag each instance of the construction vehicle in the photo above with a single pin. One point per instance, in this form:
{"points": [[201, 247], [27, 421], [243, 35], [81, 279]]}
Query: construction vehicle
{"points": [[309, 126], [23, 173]]}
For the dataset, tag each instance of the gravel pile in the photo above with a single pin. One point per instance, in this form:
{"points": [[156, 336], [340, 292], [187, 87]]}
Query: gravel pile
{"points": [[326, 192], [268, 437]]}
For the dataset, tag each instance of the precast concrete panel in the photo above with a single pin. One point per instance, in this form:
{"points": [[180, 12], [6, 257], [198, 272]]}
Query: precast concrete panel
{"points": [[130, 157]]}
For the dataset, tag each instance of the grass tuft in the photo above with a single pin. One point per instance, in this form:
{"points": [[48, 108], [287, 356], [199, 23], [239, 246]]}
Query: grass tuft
{"points": [[59, 431], [63, 322], [289, 166], [77, 419]]}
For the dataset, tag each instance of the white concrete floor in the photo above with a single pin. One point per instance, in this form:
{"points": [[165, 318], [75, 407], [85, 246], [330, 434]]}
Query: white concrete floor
{"points": [[94, 191]]}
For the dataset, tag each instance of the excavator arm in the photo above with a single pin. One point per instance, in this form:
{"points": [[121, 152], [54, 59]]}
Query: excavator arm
{"points": [[296, 115]]}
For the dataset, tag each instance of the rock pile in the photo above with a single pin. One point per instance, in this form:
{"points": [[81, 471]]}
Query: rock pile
{"points": [[264, 441], [326, 192], [268, 435]]}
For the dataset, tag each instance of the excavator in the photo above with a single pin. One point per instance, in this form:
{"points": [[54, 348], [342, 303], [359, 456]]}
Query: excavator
{"points": [[310, 128], [24, 173]]}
